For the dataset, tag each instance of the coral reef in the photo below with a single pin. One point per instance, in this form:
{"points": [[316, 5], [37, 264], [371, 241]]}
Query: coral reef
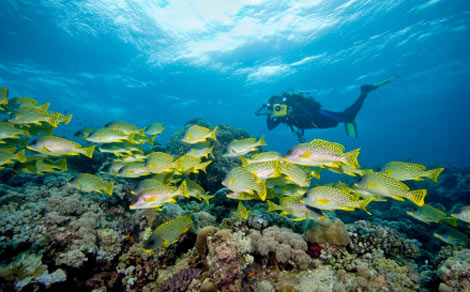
{"points": [[368, 237], [180, 281], [327, 231], [286, 246], [229, 255], [454, 273]]}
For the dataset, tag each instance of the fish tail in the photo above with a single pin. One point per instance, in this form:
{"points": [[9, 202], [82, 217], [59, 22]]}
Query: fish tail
{"points": [[450, 220], [109, 188], [277, 169], [62, 164], [316, 173], [67, 119], [151, 139], [211, 151], [20, 156], [433, 174], [363, 204], [183, 189], [206, 198], [262, 192], [212, 134], [351, 158], [54, 119], [4, 96], [141, 132], [244, 161], [261, 141], [417, 196], [88, 151], [130, 138], [26, 133], [204, 165], [273, 206]]}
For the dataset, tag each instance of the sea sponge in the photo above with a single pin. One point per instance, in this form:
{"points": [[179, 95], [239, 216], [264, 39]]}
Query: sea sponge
{"points": [[327, 231], [201, 239]]}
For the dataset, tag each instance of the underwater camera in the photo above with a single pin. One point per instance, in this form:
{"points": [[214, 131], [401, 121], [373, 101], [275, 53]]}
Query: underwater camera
{"points": [[279, 110]]}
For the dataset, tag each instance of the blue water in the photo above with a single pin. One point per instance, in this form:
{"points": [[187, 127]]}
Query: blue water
{"points": [[171, 61]]}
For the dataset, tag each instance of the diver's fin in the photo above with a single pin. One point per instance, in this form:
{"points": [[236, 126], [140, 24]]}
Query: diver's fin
{"points": [[351, 129], [385, 81]]}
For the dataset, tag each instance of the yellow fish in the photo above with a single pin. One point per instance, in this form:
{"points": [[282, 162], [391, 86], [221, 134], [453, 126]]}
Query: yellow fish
{"points": [[87, 182], [168, 233], [196, 134], [380, 184], [58, 146], [243, 146], [240, 180], [322, 153], [410, 171]]}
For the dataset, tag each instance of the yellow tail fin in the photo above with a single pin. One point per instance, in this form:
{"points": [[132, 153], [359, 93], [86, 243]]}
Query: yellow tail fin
{"points": [[417, 196], [212, 134], [109, 188], [244, 161], [351, 158], [141, 132], [67, 119], [20, 156], [261, 141], [62, 164], [433, 174], [54, 119], [273, 207], [262, 192], [316, 173], [364, 204], [204, 165], [88, 151], [183, 189], [3, 96]]}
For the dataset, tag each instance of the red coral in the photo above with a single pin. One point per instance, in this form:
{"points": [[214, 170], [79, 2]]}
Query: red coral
{"points": [[314, 250]]}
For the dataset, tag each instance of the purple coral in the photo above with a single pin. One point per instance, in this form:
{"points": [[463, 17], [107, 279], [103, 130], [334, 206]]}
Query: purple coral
{"points": [[180, 281]]}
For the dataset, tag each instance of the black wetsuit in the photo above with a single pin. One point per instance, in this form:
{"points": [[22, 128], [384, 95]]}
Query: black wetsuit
{"points": [[306, 113]]}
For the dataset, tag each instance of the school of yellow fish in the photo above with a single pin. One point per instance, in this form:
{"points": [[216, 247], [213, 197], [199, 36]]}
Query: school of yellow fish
{"points": [[283, 182]]}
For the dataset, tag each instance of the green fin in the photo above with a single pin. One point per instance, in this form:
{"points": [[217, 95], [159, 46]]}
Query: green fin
{"points": [[109, 188], [351, 129]]}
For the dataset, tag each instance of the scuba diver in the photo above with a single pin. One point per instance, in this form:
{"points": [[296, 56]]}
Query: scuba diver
{"points": [[304, 112]]}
